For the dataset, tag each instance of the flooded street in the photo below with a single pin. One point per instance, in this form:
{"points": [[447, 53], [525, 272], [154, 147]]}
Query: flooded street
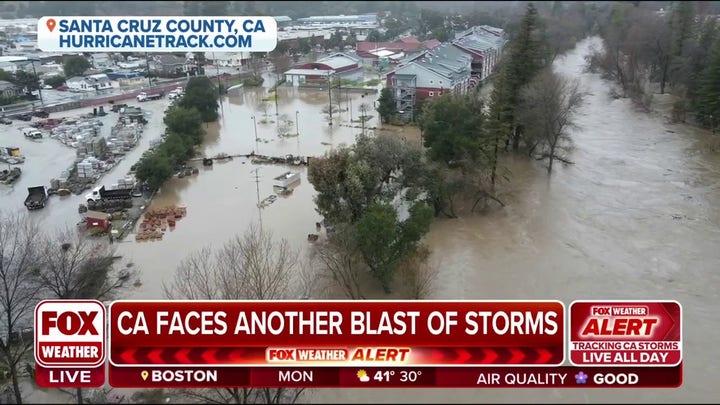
{"points": [[222, 200], [636, 217], [47, 158]]}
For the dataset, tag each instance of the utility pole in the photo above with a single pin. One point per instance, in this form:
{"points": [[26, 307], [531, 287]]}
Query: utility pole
{"points": [[256, 137], [147, 66], [217, 70], [257, 187], [339, 95], [330, 98], [276, 102], [37, 79]]}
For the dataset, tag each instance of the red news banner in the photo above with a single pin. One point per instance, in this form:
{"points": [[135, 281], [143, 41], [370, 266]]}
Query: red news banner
{"points": [[625, 333], [336, 333]]}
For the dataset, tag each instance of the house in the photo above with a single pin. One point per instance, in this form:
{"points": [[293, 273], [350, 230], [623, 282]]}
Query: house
{"points": [[101, 60], [126, 79], [91, 83], [228, 59], [169, 64], [8, 90], [485, 44], [434, 73], [302, 77], [340, 64]]}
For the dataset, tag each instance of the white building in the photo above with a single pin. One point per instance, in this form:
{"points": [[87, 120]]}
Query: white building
{"points": [[12, 64], [101, 60], [91, 83], [28, 46], [227, 59]]}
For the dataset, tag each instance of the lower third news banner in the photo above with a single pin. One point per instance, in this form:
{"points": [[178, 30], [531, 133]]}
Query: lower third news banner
{"points": [[204, 344]]}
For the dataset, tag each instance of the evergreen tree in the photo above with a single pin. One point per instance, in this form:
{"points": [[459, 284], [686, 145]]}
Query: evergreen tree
{"points": [[526, 57], [708, 106], [700, 55], [682, 21], [386, 105]]}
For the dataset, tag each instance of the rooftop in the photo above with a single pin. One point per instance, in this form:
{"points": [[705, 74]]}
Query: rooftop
{"points": [[309, 72], [338, 60]]}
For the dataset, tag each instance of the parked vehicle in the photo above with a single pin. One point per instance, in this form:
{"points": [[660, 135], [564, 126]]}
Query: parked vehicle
{"points": [[5, 121], [149, 96], [32, 133], [37, 197], [286, 179], [101, 193], [9, 176], [118, 107], [24, 117], [40, 113]]}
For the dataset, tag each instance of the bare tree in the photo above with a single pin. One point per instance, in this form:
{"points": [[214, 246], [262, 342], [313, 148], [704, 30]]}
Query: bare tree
{"points": [[417, 275], [548, 106], [73, 266], [281, 64], [253, 266], [18, 291], [77, 267], [341, 262], [256, 63]]}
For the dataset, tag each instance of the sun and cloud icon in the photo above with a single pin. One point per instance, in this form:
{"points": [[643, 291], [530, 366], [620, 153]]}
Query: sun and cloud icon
{"points": [[362, 376], [581, 378]]}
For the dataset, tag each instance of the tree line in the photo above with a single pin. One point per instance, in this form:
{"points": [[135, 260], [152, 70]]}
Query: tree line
{"points": [[38, 264], [183, 132], [677, 50]]}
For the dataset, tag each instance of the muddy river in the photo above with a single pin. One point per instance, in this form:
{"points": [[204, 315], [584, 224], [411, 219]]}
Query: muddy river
{"points": [[635, 217]]}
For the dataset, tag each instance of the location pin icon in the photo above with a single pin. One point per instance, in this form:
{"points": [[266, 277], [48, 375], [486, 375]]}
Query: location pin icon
{"points": [[51, 24], [144, 374]]}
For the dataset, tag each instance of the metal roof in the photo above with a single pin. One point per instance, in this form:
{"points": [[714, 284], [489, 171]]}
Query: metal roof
{"points": [[338, 60], [309, 72]]}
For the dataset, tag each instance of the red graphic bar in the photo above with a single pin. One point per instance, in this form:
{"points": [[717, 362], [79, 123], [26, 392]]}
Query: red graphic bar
{"points": [[258, 355], [334, 333], [396, 377]]}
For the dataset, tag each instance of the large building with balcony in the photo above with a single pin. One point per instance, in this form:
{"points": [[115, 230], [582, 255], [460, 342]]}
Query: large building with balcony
{"points": [[485, 44], [455, 66], [432, 74]]}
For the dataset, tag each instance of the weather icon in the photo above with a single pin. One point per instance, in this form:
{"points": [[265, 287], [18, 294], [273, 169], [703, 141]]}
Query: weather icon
{"points": [[362, 376], [581, 378]]}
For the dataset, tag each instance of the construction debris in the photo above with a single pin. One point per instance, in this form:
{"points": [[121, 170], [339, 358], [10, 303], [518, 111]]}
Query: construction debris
{"points": [[158, 220]]}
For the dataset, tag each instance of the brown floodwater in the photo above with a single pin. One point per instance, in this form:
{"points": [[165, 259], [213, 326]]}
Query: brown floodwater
{"points": [[635, 217]]}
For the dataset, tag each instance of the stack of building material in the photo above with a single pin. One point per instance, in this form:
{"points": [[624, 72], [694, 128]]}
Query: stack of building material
{"points": [[127, 182], [85, 170]]}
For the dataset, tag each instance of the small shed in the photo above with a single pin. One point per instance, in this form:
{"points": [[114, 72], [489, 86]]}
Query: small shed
{"points": [[96, 219]]}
